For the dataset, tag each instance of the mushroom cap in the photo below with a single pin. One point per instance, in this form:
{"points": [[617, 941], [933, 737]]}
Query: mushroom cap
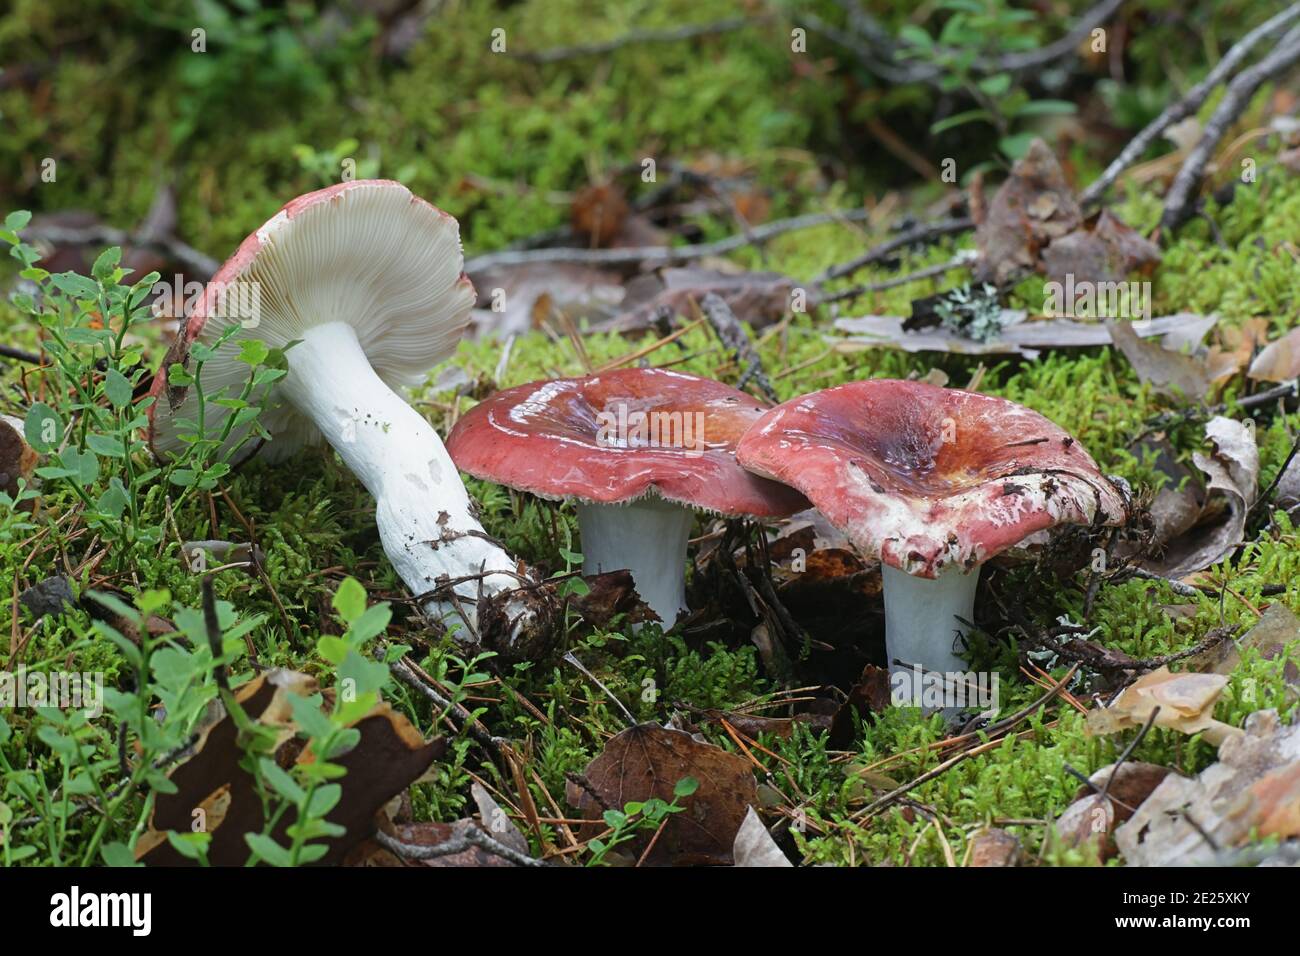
{"points": [[561, 439], [366, 252], [924, 477]]}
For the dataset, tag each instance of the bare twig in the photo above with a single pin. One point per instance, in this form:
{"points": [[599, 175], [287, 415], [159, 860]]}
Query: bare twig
{"points": [[1179, 200], [627, 714], [732, 335], [661, 255], [878, 49], [923, 233], [1188, 105], [960, 261], [21, 355], [188, 256], [471, 836], [634, 37]]}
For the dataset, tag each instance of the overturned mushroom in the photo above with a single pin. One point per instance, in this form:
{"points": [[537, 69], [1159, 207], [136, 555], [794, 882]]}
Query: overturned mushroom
{"points": [[363, 282], [637, 450], [933, 482]]}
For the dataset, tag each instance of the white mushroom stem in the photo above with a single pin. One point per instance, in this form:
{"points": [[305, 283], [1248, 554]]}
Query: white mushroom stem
{"points": [[422, 508], [648, 538], [923, 624]]}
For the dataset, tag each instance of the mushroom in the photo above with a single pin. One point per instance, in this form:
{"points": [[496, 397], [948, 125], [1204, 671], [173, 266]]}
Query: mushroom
{"points": [[933, 482], [363, 284], [637, 450]]}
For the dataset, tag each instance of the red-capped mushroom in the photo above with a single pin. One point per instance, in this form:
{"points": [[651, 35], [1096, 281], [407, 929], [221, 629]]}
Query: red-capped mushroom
{"points": [[637, 450], [933, 482], [363, 283]]}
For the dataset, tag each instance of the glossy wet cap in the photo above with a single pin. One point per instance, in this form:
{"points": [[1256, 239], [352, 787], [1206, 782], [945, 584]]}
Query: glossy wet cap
{"points": [[366, 252], [924, 477], [619, 436]]}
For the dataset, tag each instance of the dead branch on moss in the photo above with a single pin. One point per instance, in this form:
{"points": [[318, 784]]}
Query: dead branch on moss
{"points": [[1180, 200], [1188, 105], [664, 255]]}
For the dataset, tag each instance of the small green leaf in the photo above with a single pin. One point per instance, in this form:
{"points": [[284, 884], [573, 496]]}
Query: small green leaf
{"points": [[17, 220], [685, 787], [118, 388], [995, 85], [118, 854], [267, 849], [42, 427], [350, 600], [106, 263]]}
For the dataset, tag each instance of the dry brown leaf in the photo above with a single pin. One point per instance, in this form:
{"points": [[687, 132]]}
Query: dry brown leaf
{"points": [[1031, 209], [756, 298], [1275, 631], [1170, 372], [390, 756], [1254, 786], [1092, 818], [1103, 250], [1233, 472], [1279, 361], [648, 761]]}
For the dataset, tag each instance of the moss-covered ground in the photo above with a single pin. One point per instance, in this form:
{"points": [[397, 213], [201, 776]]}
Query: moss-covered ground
{"points": [[493, 140]]}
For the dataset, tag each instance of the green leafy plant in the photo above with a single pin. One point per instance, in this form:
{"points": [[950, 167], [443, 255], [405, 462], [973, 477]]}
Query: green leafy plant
{"points": [[636, 817]]}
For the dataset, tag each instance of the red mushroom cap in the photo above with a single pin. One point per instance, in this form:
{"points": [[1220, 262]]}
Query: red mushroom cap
{"points": [[553, 439], [924, 477], [368, 252]]}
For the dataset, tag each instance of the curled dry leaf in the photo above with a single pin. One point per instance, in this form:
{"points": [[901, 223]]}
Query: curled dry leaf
{"points": [[1101, 250], [1183, 702], [388, 758], [1031, 209], [754, 846], [1169, 366], [1253, 788], [513, 300], [1279, 361], [1233, 472], [648, 761]]}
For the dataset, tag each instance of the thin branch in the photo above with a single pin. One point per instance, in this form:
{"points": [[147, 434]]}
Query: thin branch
{"points": [[1188, 105], [732, 335], [878, 50], [20, 355], [634, 37], [661, 255], [922, 233], [186, 255], [960, 261], [471, 836], [1179, 200]]}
